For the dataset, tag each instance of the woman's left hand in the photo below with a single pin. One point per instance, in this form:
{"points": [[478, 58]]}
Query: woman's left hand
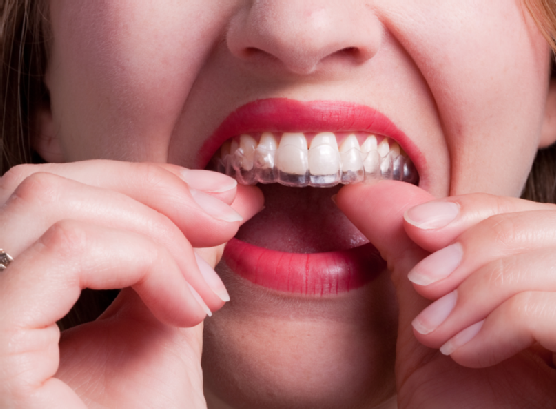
{"points": [[492, 272], [492, 279]]}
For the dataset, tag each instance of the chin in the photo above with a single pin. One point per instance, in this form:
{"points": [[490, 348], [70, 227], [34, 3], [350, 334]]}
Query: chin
{"points": [[268, 349], [312, 320]]}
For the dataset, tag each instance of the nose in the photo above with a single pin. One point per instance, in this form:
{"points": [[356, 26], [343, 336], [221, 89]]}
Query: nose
{"points": [[304, 36]]}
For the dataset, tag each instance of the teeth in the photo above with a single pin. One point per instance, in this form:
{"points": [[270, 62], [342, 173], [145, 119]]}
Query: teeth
{"points": [[372, 160], [289, 161], [264, 154], [247, 143], [395, 149], [383, 149], [352, 160], [324, 159]]}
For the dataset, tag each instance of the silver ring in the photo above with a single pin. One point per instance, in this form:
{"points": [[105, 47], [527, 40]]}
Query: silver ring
{"points": [[5, 260]]}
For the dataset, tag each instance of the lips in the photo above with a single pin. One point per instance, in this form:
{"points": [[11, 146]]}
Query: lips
{"points": [[301, 243]]}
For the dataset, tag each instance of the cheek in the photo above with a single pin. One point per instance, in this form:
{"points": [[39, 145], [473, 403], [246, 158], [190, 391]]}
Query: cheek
{"points": [[121, 71], [487, 67]]}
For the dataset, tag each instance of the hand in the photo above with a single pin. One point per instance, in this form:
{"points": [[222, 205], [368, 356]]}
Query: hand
{"points": [[105, 225], [504, 302]]}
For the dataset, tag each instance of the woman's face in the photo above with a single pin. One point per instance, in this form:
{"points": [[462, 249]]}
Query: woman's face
{"points": [[463, 82]]}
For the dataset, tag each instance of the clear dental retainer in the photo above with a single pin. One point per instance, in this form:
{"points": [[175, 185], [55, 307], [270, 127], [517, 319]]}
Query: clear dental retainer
{"points": [[322, 165]]}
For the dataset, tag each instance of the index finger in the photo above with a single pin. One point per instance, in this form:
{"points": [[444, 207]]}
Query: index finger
{"points": [[438, 223], [202, 217]]}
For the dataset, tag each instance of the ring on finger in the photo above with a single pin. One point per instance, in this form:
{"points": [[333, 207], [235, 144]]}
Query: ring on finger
{"points": [[5, 260]]}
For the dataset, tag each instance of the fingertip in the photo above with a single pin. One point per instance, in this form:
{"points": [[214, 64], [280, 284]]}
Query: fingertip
{"points": [[461, 338], [199, 300], [215, 207], [248, 202]]}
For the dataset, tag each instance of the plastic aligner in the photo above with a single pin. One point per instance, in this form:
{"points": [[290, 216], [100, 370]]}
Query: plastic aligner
{"points": [[320, 167]]}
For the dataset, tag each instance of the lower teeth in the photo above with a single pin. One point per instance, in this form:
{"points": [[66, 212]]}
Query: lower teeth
{"points": [[359, 167]]}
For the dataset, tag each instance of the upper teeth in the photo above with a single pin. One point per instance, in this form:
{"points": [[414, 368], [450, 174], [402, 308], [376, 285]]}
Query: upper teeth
{"points": [[291, 160]]}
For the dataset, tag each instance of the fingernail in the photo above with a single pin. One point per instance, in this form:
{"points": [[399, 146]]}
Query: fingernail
{"points": [[207, 181], [212, 279], [437, 266], [462, 338], [435, 314], [432, 215], [214, 207], [199, 299]]}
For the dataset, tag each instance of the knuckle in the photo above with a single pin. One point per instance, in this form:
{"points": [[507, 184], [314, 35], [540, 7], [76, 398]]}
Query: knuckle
{"points": [[504, 230], [67, 238], [19, 360], [501, 204], [157, 181], [39, 187], [160, 226], [495, 274], [524, 306], [148, 174], [501, 274], [13, 177]]}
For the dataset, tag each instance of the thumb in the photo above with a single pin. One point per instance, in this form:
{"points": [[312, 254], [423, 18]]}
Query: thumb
{"points": [[377, 210]]}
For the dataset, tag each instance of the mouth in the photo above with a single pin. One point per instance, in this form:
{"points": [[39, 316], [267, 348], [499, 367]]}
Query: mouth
{"points": [[301, 243]]}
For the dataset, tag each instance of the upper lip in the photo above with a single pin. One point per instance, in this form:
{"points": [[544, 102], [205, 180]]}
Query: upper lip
{"points": [[288, 115]]}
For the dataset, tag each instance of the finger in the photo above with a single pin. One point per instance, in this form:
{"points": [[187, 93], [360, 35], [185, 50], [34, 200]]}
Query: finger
{"points": [[56, 198], [221, 186], [436, 224], [43, 283], [497, 237], [212, 255], [480, 295], [377, 211], [515, 325], [248, 201], [196, 213], [101, 172]]}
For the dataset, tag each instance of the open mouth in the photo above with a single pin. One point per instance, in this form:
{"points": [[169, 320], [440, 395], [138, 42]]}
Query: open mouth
{"points": [[301, 243]]}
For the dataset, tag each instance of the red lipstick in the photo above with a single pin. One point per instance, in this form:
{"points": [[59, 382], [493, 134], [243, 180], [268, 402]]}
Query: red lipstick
{"points": [[316, 274], [288, 115], [321, 274]]}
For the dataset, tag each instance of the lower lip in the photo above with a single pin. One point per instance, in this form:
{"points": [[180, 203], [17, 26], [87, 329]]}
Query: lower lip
{"points": [[308, 274]]}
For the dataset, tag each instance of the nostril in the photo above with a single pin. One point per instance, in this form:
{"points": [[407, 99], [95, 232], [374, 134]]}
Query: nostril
{"points": [[349, 53], [250, 51], [257, 54]]}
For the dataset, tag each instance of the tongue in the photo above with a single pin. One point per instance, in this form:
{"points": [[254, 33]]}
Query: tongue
{"points": [[300, 220]]}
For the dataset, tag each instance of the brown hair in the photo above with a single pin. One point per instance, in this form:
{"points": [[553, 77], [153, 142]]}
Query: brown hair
{"points": [[541, 183], [23, 58], [24, 39]]}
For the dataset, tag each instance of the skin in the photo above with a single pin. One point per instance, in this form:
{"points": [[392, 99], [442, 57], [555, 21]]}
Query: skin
{"points": [[136, 81]]}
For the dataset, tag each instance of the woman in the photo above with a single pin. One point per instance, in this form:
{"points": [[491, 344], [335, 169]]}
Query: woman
{"points": [[463, 88]]}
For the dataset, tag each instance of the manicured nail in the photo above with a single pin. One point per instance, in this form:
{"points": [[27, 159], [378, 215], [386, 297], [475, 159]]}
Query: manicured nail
{"points": [[437, 266], [212, 279], [435, 314], [207, 181], [199, 299], [214, 207], [432, 215], [462, 338]]}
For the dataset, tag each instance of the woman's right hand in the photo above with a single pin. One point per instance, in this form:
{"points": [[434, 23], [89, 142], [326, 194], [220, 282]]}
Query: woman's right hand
{"points": [[107, 225]]}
